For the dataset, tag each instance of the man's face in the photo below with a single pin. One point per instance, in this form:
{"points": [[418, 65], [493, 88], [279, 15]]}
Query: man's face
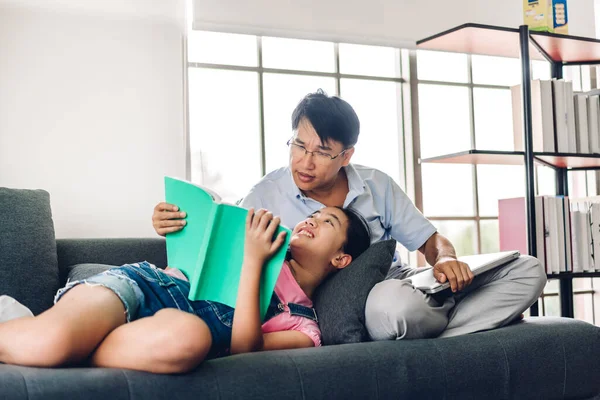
{"points": [[311, 171]]}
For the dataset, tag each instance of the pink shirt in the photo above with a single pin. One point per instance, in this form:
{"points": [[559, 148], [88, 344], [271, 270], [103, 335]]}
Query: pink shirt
{"points": [[288, 291]]}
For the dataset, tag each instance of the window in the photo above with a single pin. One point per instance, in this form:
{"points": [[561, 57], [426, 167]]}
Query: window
{"points": [[243, 89], [224, 130]]}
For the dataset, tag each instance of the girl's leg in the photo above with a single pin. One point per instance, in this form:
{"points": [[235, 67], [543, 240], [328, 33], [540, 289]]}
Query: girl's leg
{"points": [[66, 333], [170, 341]]}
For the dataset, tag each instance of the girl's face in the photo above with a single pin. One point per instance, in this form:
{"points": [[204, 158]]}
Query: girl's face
{"points": [[322, 234]]}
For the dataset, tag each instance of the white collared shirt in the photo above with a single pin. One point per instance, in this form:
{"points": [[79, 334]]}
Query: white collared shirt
{"points": [[372, 193]]}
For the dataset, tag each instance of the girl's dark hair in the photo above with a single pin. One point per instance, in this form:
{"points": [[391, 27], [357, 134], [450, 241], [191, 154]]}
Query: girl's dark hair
{"points": [[332, 118], [358, 234]]}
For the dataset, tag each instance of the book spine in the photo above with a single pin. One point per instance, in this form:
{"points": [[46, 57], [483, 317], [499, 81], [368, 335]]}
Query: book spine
{"points": [[212, 217]]}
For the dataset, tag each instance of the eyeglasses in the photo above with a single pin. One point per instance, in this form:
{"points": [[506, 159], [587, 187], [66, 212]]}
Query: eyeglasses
{"points": [[320, 157]]}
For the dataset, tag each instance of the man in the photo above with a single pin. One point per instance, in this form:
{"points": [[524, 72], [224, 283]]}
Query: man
{"points": [[325, 130]]}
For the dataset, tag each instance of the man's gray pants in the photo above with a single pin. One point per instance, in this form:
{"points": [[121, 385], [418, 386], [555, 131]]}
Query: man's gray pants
{"points": [[396, 310]]}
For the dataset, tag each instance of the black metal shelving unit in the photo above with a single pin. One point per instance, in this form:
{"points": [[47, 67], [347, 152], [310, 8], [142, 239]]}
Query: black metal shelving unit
{"points": [[558, 50]]}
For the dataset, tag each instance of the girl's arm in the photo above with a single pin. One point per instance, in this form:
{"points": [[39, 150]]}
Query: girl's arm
{"points": [[286, 340], [246, 335]]}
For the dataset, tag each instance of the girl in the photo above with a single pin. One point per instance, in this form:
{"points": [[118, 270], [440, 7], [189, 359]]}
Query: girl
{"points": [[138, 317]]}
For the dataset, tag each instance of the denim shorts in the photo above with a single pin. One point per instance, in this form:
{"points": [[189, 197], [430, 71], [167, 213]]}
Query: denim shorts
{"points": [[145, 289]]}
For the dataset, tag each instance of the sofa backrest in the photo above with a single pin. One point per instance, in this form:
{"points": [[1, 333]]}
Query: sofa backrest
{"points": [[28, 263]]}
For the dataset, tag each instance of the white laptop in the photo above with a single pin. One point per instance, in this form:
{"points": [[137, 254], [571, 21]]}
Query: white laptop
{"points": [[479, 264]]}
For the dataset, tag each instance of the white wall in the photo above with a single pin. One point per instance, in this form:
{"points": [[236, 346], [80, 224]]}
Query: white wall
{"points": [[92, 108], [386, 22]]}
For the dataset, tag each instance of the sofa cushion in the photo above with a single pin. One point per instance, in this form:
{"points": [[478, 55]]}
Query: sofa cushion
{"points": [[340, 300], [28, 265]]}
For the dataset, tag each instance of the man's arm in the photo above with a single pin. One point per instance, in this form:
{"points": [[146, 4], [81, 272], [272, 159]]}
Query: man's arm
{"points": [[440, 253]]}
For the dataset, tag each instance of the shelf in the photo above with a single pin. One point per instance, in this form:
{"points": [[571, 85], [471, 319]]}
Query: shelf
{"points": [[568, 49], [571, 161], [478, 157], [479, 39], [504, 42], [558, 160], [563, 275]]}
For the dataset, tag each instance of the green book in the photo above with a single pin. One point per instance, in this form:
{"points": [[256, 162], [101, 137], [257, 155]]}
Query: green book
{"points": [[209, 250]]}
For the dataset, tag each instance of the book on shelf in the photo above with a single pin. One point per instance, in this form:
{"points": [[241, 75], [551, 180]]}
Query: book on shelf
{"points": [[555, 231], [594, 221], [209, 249], [542, 120], [561, 121], [553, 243], [566, 215], [571, 126], [593, 112], [559, 92], [586, 234], [513, 231], [581, 123]]}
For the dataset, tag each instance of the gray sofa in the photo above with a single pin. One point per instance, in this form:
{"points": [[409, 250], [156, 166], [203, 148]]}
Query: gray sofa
{"points": [[538, 358]]}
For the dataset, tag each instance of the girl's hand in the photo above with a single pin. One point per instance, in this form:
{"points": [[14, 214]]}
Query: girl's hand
{"points": [[259, 245]]}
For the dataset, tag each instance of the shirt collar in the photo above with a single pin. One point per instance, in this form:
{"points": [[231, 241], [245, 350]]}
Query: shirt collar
{"points": [[355, 182]]}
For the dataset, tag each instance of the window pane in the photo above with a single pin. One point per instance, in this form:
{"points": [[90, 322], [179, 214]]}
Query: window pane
{"points": [[592, 190], [552, 306], [583, 307], [582, 284], [369, 60], [493, 119], [546, 181], [282, 93], [540, 70], [304, 55], [577, 184], [447, 190], [222, 48], [573, 73], [443, 119], [490, 236], [496, 70], [224, 131], [586, 78], [498, 182], [439, 66], [377, 105], [551, 286], [461, 234]]}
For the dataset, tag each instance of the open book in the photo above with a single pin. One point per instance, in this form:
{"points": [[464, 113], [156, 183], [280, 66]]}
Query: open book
{"points": [[209, 250], [479, 263]]}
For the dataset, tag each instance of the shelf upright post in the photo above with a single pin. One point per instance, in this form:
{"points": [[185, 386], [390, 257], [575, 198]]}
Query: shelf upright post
{"points": [[527, 133], [562, 188]]}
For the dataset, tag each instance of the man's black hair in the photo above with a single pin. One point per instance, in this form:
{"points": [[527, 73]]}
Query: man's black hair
{"points": [[358, 234], [332, 118]]}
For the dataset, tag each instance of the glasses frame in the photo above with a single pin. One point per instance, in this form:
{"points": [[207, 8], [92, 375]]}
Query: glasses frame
{"points": [[291, 143]]}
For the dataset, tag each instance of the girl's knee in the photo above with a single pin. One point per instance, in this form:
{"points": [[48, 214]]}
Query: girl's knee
{"points": [[185, 341]]}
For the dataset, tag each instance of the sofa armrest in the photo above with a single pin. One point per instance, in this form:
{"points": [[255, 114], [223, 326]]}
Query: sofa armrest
{"points": [[109, 251]]}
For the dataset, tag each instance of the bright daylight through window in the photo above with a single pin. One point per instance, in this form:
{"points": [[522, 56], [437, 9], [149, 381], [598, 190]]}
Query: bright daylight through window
{"points": [[243, 88]]}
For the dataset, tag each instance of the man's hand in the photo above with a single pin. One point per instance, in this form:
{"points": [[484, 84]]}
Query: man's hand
{"points": [[167, 218], [457, 273], [259, 245]]}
